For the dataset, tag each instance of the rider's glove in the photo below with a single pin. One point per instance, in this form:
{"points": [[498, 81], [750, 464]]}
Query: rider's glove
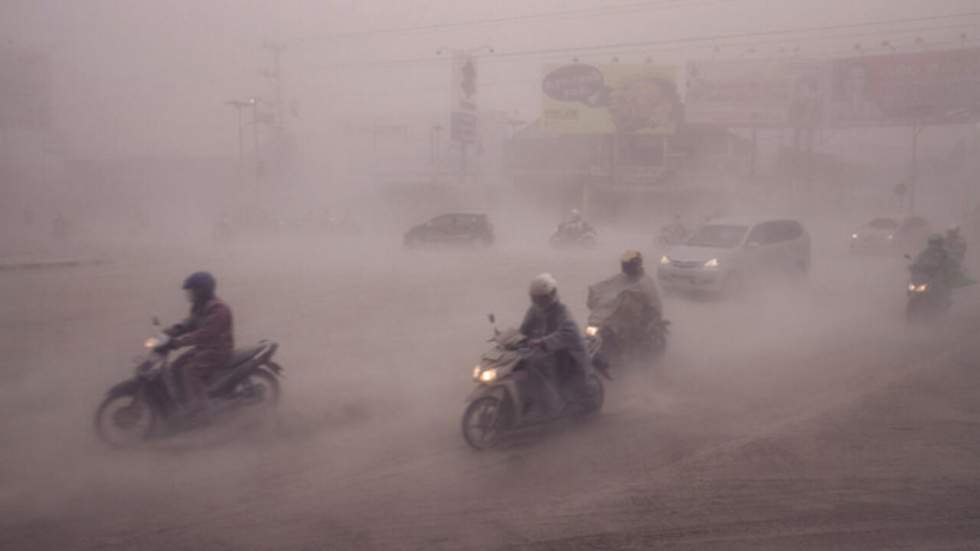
{"points": [[536, 343], [164, 348]]}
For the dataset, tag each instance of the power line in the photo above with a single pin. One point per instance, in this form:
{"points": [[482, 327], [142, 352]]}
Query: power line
{"points": [[729, 36], [659, 5], [883, 33], [718, 41]]}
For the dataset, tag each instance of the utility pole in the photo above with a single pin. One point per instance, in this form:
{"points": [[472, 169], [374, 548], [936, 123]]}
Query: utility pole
{"points": [[276, 48], [914, 167], [238, 105], [255, 136]]}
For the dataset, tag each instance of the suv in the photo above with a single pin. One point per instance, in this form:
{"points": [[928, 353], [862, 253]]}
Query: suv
{"points": [[722, 255], [452, 229]]}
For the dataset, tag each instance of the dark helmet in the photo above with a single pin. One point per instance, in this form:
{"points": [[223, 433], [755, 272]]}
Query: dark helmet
{"points": [[202, 284], [632, 263]]}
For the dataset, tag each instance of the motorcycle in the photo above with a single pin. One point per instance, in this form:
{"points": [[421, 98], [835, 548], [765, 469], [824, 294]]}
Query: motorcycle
{"points": [[514, 392], [614, 349], [928, 295], [148, 404], [624, 327], [568, 238]]}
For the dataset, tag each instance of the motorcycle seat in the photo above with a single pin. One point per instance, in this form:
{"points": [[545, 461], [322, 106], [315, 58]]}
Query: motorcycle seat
{"points": [[242, 355]]}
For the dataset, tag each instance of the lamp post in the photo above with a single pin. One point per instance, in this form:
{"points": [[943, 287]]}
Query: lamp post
{"points": [[238, 105], [434, 145]]}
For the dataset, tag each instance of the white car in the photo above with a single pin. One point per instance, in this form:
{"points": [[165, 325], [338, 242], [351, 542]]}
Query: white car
{"points": [[726, 254]]}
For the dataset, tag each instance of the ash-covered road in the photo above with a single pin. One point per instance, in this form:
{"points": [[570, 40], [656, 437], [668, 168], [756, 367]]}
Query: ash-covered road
{"points": [[805, 417]]}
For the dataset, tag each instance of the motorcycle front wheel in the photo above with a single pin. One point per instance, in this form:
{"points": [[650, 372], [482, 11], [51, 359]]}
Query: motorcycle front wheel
{"points": [[482, 422], [597, 396], [124, 420]]}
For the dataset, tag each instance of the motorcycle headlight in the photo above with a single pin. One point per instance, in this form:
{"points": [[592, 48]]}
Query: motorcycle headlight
{"points": [[151, 343], [488, 375], [664, 260], [854, 236], [591, 331], [713, 263], [891, 236]]}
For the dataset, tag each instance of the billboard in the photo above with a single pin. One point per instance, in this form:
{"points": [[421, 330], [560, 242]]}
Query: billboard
{"points": [[757, 93], [605, 99], [941, 87]]}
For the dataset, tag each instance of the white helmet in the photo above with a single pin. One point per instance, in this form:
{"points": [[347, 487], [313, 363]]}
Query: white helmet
{"points": [[543, 289]]}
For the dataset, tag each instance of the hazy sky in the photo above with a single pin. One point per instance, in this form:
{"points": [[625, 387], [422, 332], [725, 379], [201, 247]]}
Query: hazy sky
{"points": [[143, 77]]}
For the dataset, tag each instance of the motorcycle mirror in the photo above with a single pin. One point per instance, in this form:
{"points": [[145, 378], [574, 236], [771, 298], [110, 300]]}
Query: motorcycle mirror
{"points": [[155, 321]]}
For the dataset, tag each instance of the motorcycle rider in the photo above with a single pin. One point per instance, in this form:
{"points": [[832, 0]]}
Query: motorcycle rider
{"points": [[550, 327], [633, 276], [575, 225], [955, 244], [935, 262], [208, 331], [632, 319]]}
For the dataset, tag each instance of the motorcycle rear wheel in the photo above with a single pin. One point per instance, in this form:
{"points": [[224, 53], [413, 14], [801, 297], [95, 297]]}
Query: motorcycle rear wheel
{"points": [[482, 422], [260, 386], [124, 420]]}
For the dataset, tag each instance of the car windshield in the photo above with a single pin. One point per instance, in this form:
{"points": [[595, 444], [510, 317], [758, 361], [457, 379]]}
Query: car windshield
{"points": [[716, 235], [883, 224]]}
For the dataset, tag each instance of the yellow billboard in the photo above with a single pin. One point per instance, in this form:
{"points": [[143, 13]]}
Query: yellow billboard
{"points": [[614, 98]]}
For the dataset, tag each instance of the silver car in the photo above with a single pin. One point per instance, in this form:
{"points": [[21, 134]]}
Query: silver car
{"points": [[725, 255]]}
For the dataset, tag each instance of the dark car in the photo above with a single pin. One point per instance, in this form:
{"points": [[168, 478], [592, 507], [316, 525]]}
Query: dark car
{"points": [[452, 229], [912, 234]]}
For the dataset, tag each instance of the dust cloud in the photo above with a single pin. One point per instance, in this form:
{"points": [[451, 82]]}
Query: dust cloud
{"points": [[138, 173]]}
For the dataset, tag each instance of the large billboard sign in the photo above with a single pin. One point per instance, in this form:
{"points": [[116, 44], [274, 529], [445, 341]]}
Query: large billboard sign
{"points": [[941, 87], [756, 93], [606, 99]]}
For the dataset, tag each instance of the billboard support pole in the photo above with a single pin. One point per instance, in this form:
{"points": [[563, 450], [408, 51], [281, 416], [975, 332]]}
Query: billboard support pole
{"points": [[755, 151], [914, 166]]}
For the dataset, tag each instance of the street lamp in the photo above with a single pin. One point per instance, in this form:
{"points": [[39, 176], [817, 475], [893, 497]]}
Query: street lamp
{"points": [[254, 102], [238, 105], [434, 145]]}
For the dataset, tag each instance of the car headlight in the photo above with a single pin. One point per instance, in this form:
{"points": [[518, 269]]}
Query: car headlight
{"points": [[713, 263], [918, 288], [476, 372], [664, 260], [488, 375], [854, 236], [891, 236], [591, 331], [151, 343]]}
